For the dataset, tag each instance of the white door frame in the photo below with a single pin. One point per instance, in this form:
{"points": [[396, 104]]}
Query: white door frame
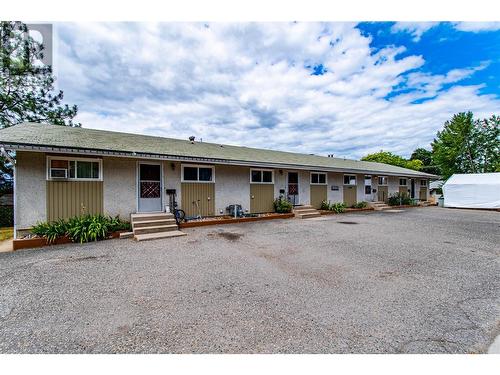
{"points": [[137, 181], [298, 185]]}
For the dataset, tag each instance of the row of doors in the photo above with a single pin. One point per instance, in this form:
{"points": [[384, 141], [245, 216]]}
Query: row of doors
{"points": [[198, 199]]}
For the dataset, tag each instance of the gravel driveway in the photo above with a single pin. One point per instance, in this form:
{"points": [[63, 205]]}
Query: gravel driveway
{"points": [[422, 280]]}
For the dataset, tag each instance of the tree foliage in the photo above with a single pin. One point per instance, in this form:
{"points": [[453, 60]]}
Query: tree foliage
{"points": [[466, 145], [393, 159], [425, 156], [26, 85]]}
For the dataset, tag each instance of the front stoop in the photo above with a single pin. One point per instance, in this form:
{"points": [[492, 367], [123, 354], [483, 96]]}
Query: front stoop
{"points": [[151, 226], [379, 206], [306, 212]]}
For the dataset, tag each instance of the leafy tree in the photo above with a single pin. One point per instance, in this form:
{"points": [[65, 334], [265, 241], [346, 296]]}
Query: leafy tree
{"points": [[393, 159], [26, 85], [426, 157], [423, 155], [466, 145]]}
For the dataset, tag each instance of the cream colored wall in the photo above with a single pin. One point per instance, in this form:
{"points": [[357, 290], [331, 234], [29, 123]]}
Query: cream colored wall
{"points": [[279, 182], [304, 187], [232, 186], [120, 186], [335, 179], [393, 185], [172, 180], [30, 196]]}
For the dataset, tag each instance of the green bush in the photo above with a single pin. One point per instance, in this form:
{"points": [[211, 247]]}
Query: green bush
{"points": [[362, 204], [325, 205], [6, 216], [338, 207], [81, 228], [282, 206], [51, 231], [398, 199]]}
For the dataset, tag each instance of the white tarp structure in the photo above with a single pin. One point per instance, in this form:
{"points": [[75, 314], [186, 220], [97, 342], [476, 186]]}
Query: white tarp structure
{"points": [[479, 190]]}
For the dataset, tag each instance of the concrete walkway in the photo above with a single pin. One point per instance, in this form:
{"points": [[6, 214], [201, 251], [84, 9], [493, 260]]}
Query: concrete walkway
{"points": [[5, 246], [495, 346]]}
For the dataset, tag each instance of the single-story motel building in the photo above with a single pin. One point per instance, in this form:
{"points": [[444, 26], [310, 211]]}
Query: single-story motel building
{"points": [[62, 172]]}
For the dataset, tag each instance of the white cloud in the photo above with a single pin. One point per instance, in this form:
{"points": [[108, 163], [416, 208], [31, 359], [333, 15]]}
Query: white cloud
{"points": [[251, 84], [477, 26], [416, 29]]}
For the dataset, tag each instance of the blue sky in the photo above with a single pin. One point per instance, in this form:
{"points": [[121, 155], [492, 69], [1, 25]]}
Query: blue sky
{"points": [[342, 88]]}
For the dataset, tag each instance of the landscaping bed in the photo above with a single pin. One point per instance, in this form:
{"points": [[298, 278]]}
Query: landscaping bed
{"points": [[79, 229], [34, 242], [217, 220], [328, 212]]}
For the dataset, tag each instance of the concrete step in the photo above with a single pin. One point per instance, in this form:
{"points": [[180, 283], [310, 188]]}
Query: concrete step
{"points": [[153, 223], [156, 236], [308, 211], [127, 235], [151, 216], [303, 207], [308, 215], [156, 229], [381, 208]]}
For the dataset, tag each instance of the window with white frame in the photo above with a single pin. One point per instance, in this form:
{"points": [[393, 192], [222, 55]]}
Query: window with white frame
{"points": [[318, 178], [261, 176], [383, 180], [349, 179], [68, 168], [198, 173], [423, 182], [403, 182]]}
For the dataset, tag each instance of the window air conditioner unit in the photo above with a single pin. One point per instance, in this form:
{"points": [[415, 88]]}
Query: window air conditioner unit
{"points": [[58, 173]]}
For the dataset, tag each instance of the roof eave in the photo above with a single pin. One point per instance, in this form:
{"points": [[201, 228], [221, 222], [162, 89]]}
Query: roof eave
{"points": [[167, 157]]}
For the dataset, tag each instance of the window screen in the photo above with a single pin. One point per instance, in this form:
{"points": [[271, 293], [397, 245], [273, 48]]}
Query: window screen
{"points": [[205, 174], [349, 180], [267, 176], [190, 174], [382, 180], [256, 176]]}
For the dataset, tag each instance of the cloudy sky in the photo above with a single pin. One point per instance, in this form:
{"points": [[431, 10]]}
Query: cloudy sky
{"points": [[342, 88]]}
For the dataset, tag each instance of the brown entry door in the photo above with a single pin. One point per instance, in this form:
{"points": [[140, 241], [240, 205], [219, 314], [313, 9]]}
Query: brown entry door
{"points": [[383, 193], [350, 198], [261, 198], [423, 194], [318, 195], [198, 199]]}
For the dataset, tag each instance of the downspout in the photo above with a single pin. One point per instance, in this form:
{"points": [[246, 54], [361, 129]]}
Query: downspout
{"points": [[6, 155]]}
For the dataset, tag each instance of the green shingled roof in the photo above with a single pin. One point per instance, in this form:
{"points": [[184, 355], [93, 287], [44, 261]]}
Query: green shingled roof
{"points": [[67, 137]]}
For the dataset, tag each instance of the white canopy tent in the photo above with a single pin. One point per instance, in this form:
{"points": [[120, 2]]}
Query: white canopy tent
{"points": [[479, 190]]}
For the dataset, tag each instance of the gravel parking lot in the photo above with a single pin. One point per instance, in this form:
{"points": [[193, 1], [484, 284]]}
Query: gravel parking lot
{"points": [[422, 280]]}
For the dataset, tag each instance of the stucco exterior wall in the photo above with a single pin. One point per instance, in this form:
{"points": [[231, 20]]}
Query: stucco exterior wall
{"points": [[360, 188], [172, 180], [31, 195], [304, 187], [232, 186], [279, 182], [335, 179], [120, 186], [393, 185]]}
